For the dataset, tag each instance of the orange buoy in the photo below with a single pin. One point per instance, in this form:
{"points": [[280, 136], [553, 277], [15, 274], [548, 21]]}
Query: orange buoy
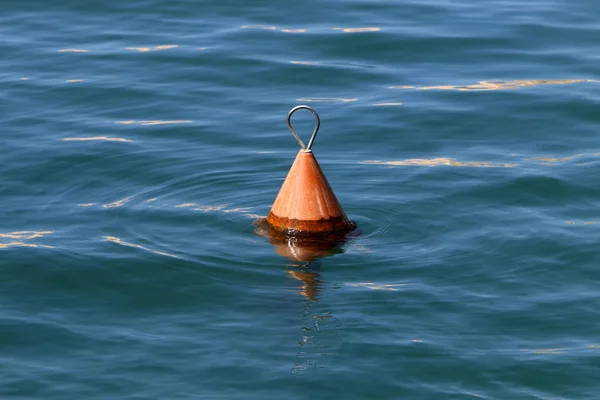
{"points": [[306, 204]]}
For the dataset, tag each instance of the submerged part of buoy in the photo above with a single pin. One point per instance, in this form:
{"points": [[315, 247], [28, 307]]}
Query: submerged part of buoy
{"points": [[306, 204]]}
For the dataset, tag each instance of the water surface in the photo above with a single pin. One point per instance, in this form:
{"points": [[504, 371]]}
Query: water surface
{"points": [[142, 139]]}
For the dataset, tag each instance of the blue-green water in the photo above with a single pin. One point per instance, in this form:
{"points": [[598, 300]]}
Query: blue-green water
{"points": [[141, 139]]}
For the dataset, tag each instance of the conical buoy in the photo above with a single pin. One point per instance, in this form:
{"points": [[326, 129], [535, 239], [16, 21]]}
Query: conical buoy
{"points": [[306, 204]]}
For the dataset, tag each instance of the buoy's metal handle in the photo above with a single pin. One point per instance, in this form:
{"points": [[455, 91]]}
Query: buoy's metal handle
{"points": [[314, 134]]}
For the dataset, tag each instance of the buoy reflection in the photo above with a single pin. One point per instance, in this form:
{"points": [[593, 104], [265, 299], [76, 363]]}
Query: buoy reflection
{"points": [[309, 278], [301, 248], [305, 253]]}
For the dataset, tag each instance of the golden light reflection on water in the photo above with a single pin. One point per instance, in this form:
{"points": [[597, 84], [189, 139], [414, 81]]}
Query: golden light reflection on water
{"points": [[74, 80], [73, 51], [108, 139], [255, 216], [155, 48], [186, 205], [116, 240], [554, 160], [118, 203], [303, 30], [559, 160], [24, 235], [356, 30], [265, 27], [154, 122], [498, 85], [561, 350], [221, 207], [570, 222], [558, 350], [327, 99], [305, 62], [224, 208], [23, 244], [377, 286], [237, 210], [24, 79], [197, 207], [422, 162]]}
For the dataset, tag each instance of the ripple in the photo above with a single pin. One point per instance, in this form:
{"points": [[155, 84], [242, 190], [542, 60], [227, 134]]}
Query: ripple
{"points": [[357, 30], [305, 62], [373, 224], [23, 244], [221, 207], [116, 240], [554, 160], [74, 80], [577, 349], [197, 207], [24, 235], [569, 222], [303, 30], [332, 64], [376, 286], [264, 27], [423, 162], [73, 51], [497, 85], [154, 122], [558, 350], [155, 48], [118, 203], [255, 216], [386, 104], [96, 138], [328, 99]]}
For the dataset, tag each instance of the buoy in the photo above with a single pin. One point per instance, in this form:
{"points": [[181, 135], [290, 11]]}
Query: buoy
{"points": [[306, 205]]}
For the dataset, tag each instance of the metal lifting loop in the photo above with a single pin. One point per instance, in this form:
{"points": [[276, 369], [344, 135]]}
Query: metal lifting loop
{"points": [[314, 134]]}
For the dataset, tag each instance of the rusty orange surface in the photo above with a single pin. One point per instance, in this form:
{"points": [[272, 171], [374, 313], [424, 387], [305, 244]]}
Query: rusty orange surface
{"points": [[306, 203]]}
